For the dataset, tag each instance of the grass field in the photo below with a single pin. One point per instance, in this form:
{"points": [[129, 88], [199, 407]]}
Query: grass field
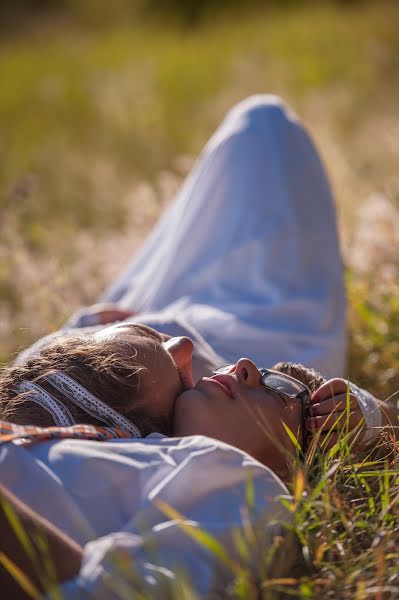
{"points": [[98, 128]]}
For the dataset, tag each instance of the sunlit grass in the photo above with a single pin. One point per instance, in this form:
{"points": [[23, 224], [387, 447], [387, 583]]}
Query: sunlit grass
{"points": [[87, 116]]}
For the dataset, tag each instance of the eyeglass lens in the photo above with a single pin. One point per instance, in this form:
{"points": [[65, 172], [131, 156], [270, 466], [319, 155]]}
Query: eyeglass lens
{"points": [[286, 386]]}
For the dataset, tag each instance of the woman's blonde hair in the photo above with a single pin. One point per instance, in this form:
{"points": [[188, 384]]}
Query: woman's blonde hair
{"points": [[108, 369]]}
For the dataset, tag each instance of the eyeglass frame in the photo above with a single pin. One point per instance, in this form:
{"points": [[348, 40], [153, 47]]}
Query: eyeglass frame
{"points": [[304, 395]]}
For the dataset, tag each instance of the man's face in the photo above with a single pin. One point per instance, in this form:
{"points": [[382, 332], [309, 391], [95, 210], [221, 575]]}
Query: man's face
{"points": [[237, 409], [166, 372]]}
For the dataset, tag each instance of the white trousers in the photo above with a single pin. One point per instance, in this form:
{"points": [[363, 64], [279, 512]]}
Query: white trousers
{"points": [[248, 253]]}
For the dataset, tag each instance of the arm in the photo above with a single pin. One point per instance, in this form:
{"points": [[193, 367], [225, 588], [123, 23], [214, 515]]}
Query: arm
{"points": [[46, 541]]}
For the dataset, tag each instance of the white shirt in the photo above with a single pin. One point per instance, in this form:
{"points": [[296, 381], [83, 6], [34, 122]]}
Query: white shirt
{"points": [[105, 494]]}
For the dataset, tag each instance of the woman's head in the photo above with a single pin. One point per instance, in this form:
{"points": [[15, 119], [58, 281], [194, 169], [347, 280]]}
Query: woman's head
{"points": [[238, 409], [128, 367]]}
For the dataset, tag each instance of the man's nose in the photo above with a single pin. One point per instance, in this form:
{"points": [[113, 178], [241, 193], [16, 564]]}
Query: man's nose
{"points": [[247, 372], [181, 350]]}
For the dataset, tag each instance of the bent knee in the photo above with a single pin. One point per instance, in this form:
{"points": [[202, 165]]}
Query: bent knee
{"points": [[262, 110]]}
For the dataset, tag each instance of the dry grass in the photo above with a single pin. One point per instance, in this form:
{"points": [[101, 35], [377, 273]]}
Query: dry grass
{"points": [[87, 117]]}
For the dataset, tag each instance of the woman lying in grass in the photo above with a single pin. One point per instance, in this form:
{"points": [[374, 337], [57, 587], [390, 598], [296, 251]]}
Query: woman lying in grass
{"points": [[246, 262], [105, 502], [122, 514], [128, 376]]}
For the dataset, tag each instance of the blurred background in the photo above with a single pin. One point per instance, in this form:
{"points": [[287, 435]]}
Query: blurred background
{"points": [[104, 105]]}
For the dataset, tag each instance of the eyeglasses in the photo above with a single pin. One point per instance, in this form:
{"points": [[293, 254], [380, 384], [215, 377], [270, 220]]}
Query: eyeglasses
{"points": [[286, 386]]}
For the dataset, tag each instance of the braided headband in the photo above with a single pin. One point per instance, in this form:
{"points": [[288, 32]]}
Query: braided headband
{"points": [[79, 396]]}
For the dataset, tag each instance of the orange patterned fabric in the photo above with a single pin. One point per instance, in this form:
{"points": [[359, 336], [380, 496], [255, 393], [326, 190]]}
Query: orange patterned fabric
{"points": [[25, 435]]}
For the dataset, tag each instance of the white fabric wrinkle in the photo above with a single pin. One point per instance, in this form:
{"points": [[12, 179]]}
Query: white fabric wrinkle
{"points": [[251, 233], [173, 474]]}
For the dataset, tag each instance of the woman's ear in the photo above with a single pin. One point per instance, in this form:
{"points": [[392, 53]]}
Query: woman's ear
{"points": [[181, 349]]}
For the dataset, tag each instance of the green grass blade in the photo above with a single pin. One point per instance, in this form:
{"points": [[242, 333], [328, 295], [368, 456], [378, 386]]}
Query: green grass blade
{"points": [[293, 438]]}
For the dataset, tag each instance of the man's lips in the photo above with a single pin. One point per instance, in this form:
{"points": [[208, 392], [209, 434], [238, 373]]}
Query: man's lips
{"points": [[223, 382]]}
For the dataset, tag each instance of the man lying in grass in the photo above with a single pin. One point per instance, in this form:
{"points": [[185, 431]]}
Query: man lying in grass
{"points": [[122, 514], [245, 263]]}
